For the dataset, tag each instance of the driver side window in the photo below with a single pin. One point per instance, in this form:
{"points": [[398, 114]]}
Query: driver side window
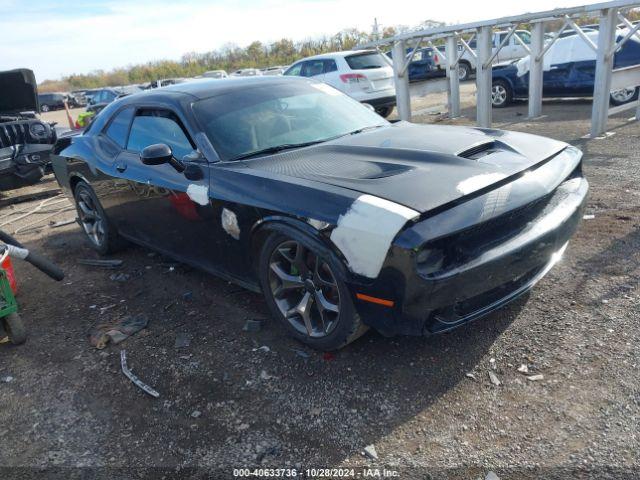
{"points": [[151, 126]]}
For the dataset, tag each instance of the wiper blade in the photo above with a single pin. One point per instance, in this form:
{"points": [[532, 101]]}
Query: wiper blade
{"points": [[275, 149], [363, 129]]}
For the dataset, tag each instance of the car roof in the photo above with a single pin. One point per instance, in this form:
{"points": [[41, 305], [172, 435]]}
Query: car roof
{"points": [[208, 87], [343, 54]]}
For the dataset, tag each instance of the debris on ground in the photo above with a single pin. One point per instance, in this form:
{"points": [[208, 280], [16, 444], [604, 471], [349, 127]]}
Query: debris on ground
{"points": [[129, 374], [265, 376], [117, 331], [535, 378], [301, 353], [370, 452], [100, 263], [491, 476], [523, 368], [263, 348], [183, 340], [588, 217], [120, 277], [253, 325], [196, 413], [7, 379], [470, 375], [62, 223], [494, 379]]}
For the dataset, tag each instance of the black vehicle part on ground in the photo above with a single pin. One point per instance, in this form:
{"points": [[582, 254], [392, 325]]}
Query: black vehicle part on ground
{"points": [[41, 263]]}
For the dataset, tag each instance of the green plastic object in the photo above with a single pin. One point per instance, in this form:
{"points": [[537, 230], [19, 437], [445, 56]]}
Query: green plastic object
{"points": [[8, 304]]}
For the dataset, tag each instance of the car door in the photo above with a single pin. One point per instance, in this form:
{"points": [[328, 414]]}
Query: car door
{"points": [[167, 209], [331, 74], [555, 81]]}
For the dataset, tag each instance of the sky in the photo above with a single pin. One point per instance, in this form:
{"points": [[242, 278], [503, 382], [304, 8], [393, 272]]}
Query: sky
{"points": [[56, 38]]}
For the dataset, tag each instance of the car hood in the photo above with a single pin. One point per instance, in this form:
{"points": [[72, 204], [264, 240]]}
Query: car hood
{"points": [[18, 91], [422, 167]]}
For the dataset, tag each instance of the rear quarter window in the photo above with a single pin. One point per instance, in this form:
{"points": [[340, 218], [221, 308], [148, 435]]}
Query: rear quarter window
{"points": [[365, 61]]}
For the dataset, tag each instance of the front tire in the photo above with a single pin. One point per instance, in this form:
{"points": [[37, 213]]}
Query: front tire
{"points": [[100, 232], [15, 329], [501, 94], [303, 285]]}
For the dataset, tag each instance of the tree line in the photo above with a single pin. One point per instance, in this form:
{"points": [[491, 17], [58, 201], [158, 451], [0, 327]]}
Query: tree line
{"points": [[231, 57]]}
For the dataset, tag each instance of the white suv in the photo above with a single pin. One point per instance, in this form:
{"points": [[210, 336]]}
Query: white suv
{"points": [[362, 74]]}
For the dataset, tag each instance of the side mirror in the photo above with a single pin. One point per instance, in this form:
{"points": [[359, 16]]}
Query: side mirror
{"points": [[156, 154], [159, 154]]}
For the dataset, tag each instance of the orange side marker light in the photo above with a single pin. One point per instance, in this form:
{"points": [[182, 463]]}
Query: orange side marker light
{"points": [[376, 300]]}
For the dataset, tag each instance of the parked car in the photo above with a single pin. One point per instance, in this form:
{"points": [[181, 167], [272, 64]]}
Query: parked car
{"points": [[51, 101], [246, 72], [511, 51], [104, 96], [278, 70], [25, 141], [425, 63], [215, 74], [569, 71], [343, 220], [363, 74]]}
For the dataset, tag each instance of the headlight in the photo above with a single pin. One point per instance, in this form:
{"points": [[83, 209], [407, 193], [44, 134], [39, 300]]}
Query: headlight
{"points": [[38, 130]]}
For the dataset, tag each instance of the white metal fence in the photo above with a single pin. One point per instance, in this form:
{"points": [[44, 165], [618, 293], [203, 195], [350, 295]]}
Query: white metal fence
{"points": [[608, 14]]}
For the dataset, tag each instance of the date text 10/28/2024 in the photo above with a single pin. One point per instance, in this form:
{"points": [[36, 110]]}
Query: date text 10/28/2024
{"points": [[315, 473]]}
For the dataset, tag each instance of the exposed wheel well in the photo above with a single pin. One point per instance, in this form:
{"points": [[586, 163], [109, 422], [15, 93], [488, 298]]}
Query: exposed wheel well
{"points": [[73, 183]]}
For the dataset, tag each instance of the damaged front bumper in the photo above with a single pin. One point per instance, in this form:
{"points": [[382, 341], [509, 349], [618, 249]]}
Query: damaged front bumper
{"points": [[445, 282], [22, 165]]}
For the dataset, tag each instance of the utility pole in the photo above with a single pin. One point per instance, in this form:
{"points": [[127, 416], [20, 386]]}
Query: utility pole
{"points": [[376, 30]]}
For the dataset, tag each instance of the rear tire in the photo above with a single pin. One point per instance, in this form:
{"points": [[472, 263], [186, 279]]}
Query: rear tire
{"points": [[624, 95], [384, 111], [100, 232], [15, 328], [464, 71], [294, 267], [501, 94]]}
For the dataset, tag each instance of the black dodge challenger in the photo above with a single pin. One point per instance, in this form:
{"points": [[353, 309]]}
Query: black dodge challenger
{"points": [[343, 220]]}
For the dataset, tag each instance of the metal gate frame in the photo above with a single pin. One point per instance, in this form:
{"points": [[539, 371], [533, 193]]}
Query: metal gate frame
{"points": [[608, 13]]}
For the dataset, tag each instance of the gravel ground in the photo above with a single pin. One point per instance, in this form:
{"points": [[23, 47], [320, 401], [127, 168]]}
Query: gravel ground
{"points": [[427, 405]]}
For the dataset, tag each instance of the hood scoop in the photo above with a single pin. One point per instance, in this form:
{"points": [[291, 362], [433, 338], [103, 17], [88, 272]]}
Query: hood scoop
{"points": [[482, 149]]}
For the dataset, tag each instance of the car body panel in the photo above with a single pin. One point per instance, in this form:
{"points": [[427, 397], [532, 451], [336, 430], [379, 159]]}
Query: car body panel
{"points": [[18, 91], [569, 70]]}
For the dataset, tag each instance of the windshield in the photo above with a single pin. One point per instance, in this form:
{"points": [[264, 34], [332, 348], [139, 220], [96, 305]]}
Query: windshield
{"points": [[252, 119]]}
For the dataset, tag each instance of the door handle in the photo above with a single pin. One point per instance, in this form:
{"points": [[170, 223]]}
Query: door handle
{"points": [[121, 167]]}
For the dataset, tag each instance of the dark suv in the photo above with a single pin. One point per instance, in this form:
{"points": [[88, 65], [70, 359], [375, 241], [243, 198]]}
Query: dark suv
{"points": [[50, 101]]}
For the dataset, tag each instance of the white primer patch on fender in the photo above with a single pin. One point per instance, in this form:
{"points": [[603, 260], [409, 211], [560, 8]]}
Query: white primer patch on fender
{"points": [[198, 193], [230, 223], [366, 231]]}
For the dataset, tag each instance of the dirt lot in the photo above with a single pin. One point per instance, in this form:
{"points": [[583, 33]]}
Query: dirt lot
{"points": [[426, 404]]}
